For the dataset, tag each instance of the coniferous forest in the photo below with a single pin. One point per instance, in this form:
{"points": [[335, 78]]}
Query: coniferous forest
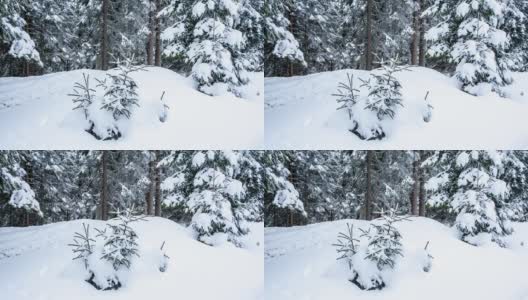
{"points": [[398, 71], [263, 149], [130, 69]]}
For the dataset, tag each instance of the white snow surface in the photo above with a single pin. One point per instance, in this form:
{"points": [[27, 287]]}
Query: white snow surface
{"points": [[300, 113], [36, 113], [36, 263], [300, 263]]}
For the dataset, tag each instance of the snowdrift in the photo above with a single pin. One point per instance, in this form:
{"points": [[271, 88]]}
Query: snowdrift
{"points": [[36, 113], [300, 113], [36, 263], [300, 263]]}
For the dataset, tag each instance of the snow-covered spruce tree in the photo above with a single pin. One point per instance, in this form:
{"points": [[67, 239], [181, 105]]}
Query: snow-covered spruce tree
{"points": [[15, 41], [374, 254], [384, 97], [472, 35], [116, 95], [15, 190], [206, 186], [121, 242], [249, 21], [279, 42], [471, 184], [121, 93], [281, 197], [205, 35]]}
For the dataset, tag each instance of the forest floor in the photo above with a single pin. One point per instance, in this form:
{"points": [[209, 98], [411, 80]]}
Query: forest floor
{"points": [[36, 113], [300, 113], [300, 263], [36, 263]]}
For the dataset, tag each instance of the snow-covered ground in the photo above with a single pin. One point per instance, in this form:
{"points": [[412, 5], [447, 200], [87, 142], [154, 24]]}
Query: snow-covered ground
{"points": [[36, 263], [300, 263], [300, 113], [36, 113]]}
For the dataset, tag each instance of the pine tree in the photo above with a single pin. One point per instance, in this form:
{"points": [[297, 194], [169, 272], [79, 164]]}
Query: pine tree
{"points": [[471, 184], [473, 37], [206, 36], [206, 186]]}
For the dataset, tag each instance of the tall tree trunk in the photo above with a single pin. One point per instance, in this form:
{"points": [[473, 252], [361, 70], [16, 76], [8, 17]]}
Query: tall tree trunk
{"points": [[104, 186], [423, 43], [415, 187], [158, 34], [157, 188], [368, 46], [369, 192], [291, 18], [422, 197], [150, 190], [416, 33], [151, 35], [104, 35]]}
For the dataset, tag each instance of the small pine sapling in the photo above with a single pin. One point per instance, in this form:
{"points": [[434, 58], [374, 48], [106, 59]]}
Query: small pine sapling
{"points": [[121, 243], [375, 252], [347, 95], [347, 245], [83, 95], [121, 94], [83, 245], [385, 243], [385, 90]]}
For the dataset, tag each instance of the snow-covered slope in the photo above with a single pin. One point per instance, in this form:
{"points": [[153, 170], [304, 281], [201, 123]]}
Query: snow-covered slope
{"points": [[300, 113], [301, 264], [36, 263], [36, 113]]}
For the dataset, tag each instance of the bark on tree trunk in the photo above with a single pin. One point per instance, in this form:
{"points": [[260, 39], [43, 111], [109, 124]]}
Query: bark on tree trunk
{"points": [[150, 190], [368, 47], [158, 34], [104, 36], [416, 35], [150, 38], [104, 186], [423, 196], [368, 194], [415, 188], [423, 43], [157, 187]]}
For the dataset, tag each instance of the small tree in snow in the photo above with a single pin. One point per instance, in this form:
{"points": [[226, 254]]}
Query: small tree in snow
{"points": [[385, 242], [384, 90], [383, 98], [347, 95], [83, 95], [374, 254], [121, 93], [121, 242], [109, 252], [83, 245]]}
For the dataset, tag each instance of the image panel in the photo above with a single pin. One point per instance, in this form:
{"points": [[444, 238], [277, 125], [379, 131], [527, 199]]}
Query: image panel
{"points": [[128, 75], [368, 74], [131, 225], [397, 225]]}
